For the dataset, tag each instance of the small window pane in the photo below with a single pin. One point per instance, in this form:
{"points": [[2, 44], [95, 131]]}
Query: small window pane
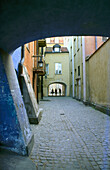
{"points": [[57, 49], [47, 69], [58, 68], [78, 70]]}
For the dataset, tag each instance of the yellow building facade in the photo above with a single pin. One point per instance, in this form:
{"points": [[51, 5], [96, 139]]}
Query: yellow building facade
{"points": [[98, 77], [78, 67], [56, 81], [80, 47]]}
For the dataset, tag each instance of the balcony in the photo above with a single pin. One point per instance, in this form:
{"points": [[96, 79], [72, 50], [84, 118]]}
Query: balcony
{"points": [[39, 65], [42, 43]]}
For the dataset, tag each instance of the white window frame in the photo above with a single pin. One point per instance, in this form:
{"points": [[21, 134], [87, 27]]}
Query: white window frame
{"points": [[47, 40], [58, 68], [56, 49]]}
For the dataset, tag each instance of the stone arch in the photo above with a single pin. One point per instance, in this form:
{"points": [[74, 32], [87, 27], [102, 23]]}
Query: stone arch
{"points": [[61, 83], [25, 21]]}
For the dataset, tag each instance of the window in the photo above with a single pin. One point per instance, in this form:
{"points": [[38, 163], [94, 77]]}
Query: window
{"points": [[61, 40], [52, 40], [57, 49], [47, 40], [78, 70], [58, 68], [47, 69]]}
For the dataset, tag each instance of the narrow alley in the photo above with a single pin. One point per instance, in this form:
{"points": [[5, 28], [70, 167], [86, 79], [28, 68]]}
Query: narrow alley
{"points": [[71, 135]]}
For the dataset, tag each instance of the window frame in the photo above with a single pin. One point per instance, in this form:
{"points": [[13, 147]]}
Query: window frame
{"points": [[58, 69], [46, 68]]}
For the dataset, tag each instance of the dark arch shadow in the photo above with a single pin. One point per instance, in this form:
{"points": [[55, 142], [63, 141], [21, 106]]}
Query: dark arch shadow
{"points": [[24, 21]]}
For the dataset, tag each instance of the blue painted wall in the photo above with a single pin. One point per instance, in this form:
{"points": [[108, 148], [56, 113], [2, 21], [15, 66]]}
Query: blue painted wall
{"points": [[10, 131], [16, 57]]}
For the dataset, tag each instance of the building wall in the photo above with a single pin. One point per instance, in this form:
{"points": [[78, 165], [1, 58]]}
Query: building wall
{"points": [[70, 69], [54, 40], [91, 44], [28, 62], [98, 76], [51, 59], [78, 86]]}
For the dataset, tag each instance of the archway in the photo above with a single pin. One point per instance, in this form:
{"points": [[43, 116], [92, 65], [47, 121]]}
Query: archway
{"points": [[57, 89], [25, 21]]}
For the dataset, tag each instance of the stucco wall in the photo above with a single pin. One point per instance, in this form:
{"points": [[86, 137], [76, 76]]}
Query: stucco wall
{"points": [[28, 61], [90, 46], [51, 59], [78, 61], [98, 75]]}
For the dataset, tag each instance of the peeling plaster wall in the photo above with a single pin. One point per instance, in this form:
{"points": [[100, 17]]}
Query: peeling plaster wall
{"points": [[15, 131]]}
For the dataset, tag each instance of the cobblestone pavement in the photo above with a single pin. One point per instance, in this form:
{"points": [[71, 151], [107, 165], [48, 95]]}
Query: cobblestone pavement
{"points": [[71, 136]]}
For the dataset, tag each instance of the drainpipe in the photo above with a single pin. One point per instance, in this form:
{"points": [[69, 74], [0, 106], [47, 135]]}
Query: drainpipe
{"points": [[73, 65], [37, 78], [84, 69], [95, 42], [42, 78]]}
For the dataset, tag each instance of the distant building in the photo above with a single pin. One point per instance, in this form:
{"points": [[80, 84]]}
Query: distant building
{"points": [[29, 64], [35, 65], [56, 80], [80, 47]]}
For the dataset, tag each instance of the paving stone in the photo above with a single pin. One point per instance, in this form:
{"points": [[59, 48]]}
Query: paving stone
{"points": [[79, 139]]}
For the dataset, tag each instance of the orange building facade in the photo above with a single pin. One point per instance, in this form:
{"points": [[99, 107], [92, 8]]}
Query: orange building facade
{"points": [[92, 43], [33, 55]]}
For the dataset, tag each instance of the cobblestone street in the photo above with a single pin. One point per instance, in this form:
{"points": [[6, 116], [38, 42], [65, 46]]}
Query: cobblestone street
{"points": [[71, 136]]}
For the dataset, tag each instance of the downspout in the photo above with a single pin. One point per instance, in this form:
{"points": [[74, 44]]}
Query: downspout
{"points": [[95, 42], [84, 70], [73, 66], [37, 77], [42, 78]]}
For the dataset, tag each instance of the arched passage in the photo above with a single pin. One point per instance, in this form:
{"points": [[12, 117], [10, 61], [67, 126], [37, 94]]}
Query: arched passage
{"points": [[57, 89], [24, 21]]}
